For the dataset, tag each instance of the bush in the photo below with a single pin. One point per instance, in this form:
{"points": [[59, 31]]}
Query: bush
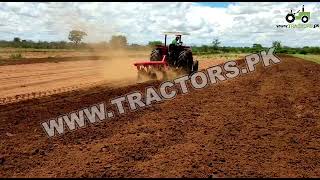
{"points": [[154, 43], [303, 51], [285, 51]]}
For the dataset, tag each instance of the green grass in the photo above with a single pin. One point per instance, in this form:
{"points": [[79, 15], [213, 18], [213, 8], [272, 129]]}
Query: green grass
{"points": [[309, 57], [223, 56]]}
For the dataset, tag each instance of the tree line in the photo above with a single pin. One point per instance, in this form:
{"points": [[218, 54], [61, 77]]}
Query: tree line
{"points": [[75, 42], [215, 48]]}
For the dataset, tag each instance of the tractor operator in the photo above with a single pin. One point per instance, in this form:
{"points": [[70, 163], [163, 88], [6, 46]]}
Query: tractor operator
{"points": [[175, 41]]}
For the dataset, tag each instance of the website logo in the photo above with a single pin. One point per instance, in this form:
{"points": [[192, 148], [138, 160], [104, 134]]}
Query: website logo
{"points": [[298, 17], [303, 16]]}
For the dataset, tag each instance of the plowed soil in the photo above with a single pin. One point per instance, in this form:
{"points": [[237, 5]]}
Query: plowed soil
{"points": [[263, 124], [32, 78]]}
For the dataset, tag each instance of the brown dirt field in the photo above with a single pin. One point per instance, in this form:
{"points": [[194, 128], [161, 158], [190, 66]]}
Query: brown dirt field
{"points": [[262, 124], [43, 77], [27, 79]]}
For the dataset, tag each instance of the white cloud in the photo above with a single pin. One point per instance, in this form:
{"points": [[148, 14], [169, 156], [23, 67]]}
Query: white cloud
{"points": [[238, 24]]}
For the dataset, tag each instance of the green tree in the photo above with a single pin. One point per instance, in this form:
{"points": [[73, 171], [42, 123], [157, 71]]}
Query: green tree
{"points": [[204, 48], [257, 48], [302, 51], [276, 44], [118, 41], [16, 39], [215, 44], [154, 43], [76, 36]]}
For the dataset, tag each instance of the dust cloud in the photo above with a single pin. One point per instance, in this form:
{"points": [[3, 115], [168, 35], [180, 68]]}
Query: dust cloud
{"points": [[119, 64], [116, 64]]}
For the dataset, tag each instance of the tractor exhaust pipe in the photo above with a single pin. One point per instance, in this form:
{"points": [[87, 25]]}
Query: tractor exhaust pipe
{"points": [[165, 40]]}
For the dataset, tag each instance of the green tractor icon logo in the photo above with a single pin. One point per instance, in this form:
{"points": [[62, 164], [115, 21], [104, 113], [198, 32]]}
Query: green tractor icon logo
{"points": [[304, 16]]}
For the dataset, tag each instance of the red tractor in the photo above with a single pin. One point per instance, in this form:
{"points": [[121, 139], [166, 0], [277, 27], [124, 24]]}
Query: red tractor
{"points": [[174, 57]]}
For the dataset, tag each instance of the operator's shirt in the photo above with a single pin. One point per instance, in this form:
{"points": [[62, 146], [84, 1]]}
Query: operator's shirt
{"points": [[174, 42]]}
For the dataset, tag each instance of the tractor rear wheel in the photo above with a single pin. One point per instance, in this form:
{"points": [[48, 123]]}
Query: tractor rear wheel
{"points": [[185, 61], [195, 66], [155, 55]]}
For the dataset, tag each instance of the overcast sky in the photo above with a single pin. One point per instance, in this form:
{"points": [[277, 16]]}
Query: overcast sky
{"points": [[235, 24]]}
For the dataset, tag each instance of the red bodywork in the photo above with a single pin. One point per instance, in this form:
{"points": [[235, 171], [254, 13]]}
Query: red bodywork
{"points": [[154, 64], [163, 63]]}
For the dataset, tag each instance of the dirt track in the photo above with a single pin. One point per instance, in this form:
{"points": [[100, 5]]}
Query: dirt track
{"points": [[263, 124]]}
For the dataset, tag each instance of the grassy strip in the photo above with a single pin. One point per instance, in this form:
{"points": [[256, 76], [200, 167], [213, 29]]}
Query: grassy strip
{"points": [[222, 56], [309, 57]]}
